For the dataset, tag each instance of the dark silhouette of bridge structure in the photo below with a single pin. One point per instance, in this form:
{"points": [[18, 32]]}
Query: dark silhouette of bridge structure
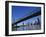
{"points": [[26, 18]]}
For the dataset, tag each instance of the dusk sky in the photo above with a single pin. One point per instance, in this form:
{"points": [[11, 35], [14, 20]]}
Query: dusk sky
{"points": [[22, 11]]}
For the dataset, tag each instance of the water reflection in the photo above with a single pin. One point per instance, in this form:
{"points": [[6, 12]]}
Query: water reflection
{"points": [[30, 24]]}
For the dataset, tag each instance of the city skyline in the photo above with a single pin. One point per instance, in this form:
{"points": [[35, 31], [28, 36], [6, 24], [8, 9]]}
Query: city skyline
{"points": [[21, 12]]}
